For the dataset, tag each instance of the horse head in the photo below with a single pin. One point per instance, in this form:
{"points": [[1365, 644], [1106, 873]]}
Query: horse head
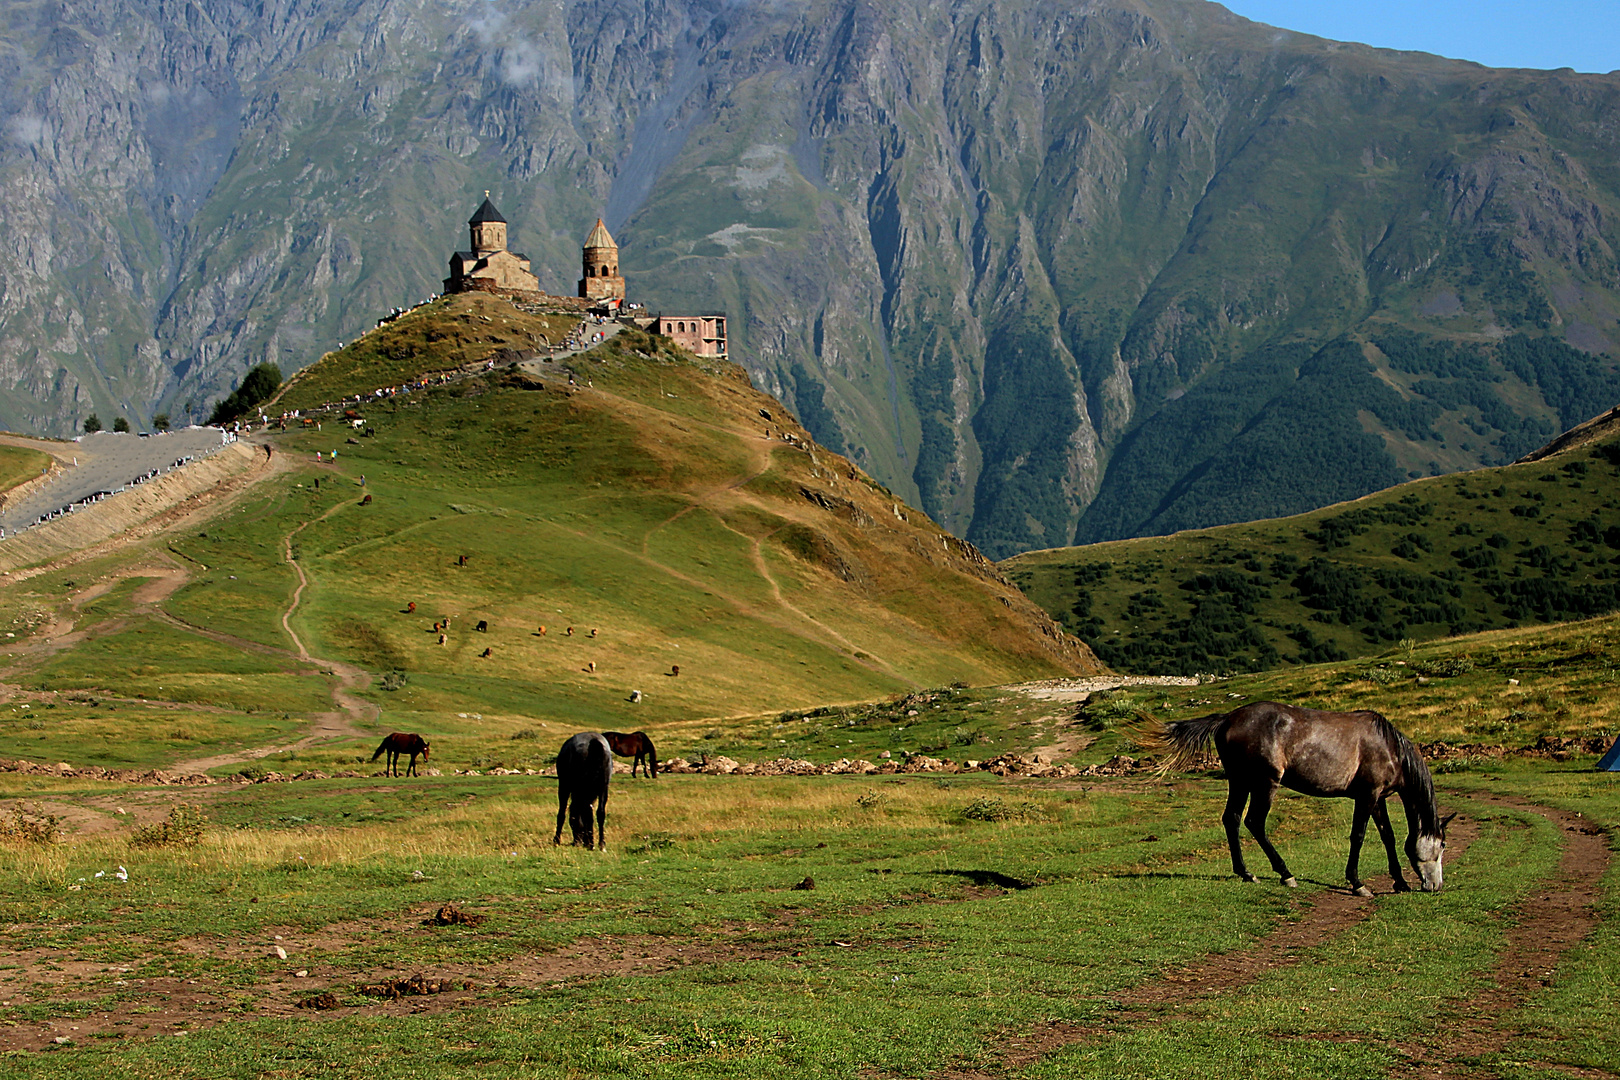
{"points": [[1426, 850]]}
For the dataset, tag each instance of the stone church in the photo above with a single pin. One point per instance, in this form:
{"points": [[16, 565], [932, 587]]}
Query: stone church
{"points": [[489, 267]]}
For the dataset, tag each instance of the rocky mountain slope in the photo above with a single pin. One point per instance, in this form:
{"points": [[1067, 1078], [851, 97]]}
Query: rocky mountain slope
{"points": [[1052, 271]]}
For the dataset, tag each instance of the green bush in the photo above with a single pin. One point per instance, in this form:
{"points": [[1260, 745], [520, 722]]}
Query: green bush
{"points": [[30, 828], [988, 808], [182, 828]]}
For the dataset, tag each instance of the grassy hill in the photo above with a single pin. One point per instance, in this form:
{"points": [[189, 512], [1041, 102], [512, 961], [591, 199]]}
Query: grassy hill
{"points": [[1533, 542], [650, 510]]}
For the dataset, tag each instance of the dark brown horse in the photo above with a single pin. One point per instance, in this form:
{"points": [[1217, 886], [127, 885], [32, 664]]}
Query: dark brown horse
{"points": [[1355, 755], [584, 767], [398, 744], [637, 745]]}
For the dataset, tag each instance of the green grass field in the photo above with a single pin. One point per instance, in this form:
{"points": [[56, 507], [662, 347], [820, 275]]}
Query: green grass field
{"points": [[930, 942], [18, 464]]}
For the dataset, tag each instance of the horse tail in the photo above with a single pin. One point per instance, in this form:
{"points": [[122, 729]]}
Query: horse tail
{"points": [[380, 748], [1176, 744]]}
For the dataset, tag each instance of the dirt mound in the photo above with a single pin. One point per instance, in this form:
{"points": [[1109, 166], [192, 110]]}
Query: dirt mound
{"points": [[414, 986], [323, 1001], [450, 915]]}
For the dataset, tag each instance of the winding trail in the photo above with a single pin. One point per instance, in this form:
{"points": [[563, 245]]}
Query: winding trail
{"points": [[352, 712], [1553, 919]]}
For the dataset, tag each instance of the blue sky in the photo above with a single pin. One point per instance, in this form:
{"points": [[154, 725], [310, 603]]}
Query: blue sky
{"points": [[1581, 34]]}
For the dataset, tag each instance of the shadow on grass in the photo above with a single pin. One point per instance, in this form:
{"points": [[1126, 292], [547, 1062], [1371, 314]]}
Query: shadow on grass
{"points": [[1177, 875], [988, 877]]}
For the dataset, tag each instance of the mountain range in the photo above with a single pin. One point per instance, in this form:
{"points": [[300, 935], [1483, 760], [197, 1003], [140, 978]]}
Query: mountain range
{"points": [[1054, 272]]}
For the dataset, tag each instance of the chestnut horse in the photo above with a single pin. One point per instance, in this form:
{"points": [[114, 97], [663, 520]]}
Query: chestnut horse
{"points": [[397, 744], [584, 767], [1354, 755], [636, 744]]}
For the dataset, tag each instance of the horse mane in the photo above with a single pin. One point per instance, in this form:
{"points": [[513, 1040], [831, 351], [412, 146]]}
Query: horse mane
{"points": [[1417, 786]]}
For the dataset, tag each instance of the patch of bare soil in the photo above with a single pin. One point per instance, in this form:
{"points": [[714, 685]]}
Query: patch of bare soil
{"points": [[137, 1000]]}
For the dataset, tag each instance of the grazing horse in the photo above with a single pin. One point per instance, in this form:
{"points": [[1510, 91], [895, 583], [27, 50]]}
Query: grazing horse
{"points": [[397, 745], [584, 767], [1354, 755], [636, 744]]}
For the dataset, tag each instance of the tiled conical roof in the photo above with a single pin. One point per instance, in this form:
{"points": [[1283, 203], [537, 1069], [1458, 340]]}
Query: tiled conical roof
{"points": [[486, 212], [599, 237]]}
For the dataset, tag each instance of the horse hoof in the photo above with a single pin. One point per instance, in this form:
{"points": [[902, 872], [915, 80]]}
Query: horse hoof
{"points": [[1401, 886], [1250, 878], [1362, 890], [1290, 883]]}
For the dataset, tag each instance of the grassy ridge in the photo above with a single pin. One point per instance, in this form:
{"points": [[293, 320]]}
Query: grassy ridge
{"points": [[1529, 543], [19, 464], [441, 336]]}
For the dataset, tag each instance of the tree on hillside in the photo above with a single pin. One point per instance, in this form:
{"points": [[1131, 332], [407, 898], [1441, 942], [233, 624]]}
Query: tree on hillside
{"points": [[92, 424], [258, 386], [160, 422], [120, 424]]}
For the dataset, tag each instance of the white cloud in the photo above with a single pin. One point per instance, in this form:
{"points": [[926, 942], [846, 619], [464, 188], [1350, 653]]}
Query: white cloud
{"points": [[27, 128], [488, 23], [521, 59], [520, 62]]}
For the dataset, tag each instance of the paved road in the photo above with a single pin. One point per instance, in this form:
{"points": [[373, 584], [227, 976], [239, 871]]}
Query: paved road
{"points": [[108, 462]]}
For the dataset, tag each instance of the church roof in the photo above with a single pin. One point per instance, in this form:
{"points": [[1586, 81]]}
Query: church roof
{"points": [[599, 237], [486, 212]]}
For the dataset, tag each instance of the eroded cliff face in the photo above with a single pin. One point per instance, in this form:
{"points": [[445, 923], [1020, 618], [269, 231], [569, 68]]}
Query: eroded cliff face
{"points": [[1048, 269]]}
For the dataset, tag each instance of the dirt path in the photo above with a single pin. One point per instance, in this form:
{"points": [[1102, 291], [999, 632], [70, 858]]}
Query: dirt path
{"points": [[353, 711], [1551, 921]]}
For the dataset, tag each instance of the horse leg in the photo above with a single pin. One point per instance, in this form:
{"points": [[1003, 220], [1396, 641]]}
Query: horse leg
{"points": [[1259, 808], [1380, 813], [410, 770], [562, 812], [1358, 831], [601, 822], [1232, 819]]}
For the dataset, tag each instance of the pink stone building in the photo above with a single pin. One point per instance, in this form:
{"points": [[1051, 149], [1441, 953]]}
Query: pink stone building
{"points": [[701, 334]]}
